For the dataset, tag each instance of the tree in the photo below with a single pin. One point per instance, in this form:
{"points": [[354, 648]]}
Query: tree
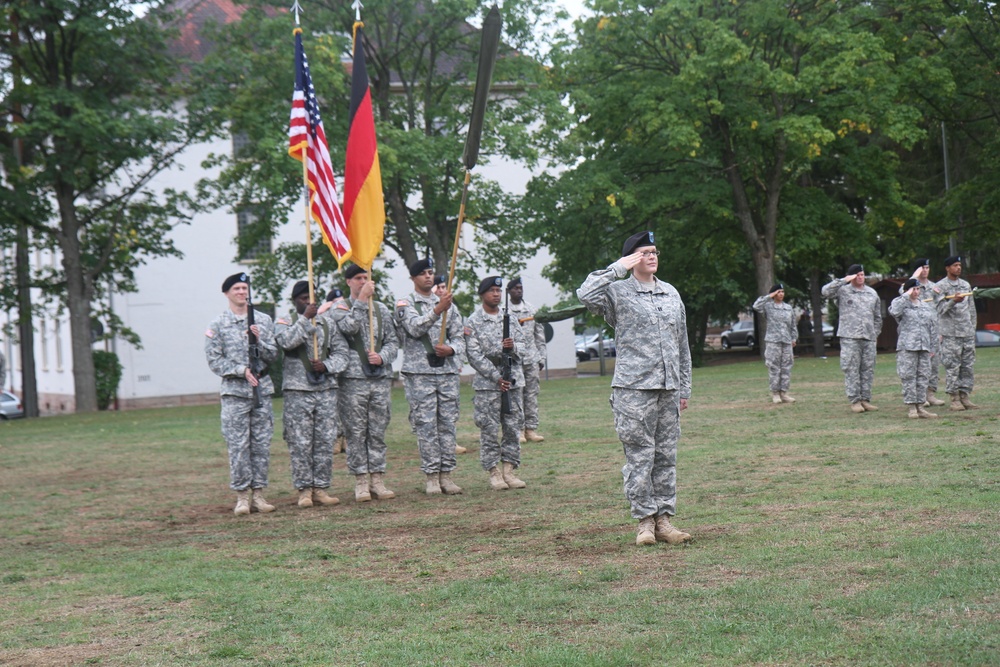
{"points": [[100, 120]]}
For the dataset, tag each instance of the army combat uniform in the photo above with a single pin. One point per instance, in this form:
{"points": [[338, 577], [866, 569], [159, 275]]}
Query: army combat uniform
{"points": [[652, 374], [957, 326], [431, 391], [310, 399], [930, 293], [917, 330], [246, 429], [534, 356], [860, 312], [780, 338]]}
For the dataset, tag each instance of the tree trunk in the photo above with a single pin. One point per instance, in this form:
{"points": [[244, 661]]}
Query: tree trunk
{"points": [[25, 330], [816, 300]]}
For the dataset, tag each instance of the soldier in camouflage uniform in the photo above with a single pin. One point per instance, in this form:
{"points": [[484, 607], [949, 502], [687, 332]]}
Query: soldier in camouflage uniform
{"points": [[534, 357], [365, 401], [957, 324], [314, 354], [430, 374], [652, 381], [485, 346], [860, 312], [917, 329], [334, 297], [246, 428], [929, 293], [780, 340]]}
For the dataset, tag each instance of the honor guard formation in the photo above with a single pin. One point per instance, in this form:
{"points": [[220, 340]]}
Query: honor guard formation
{"points": [[337, 373]]}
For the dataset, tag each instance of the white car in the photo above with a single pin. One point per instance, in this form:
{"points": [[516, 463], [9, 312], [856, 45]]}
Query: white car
{"points": [[10, 406]]}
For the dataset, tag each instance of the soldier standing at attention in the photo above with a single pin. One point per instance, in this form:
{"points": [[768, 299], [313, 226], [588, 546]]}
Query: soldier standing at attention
{"points": [[333, 297], [440, 287], [917, 329], [930, 293], [652, 381], [957, 321], [485, 347], [430, 374], [314, 354], [247, 428], [364, 397], [534, 357], [860, 323], [780, 340]]}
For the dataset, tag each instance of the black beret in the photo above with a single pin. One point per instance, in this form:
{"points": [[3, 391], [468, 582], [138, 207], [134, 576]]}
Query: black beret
{"points": [[514, 282], [489, 283], [637, 241], [777, 286], [439, 280], [920, 261], [353, 270], [233, 279], [910, 284], [855, 268], [420, 266], [954, 259], [334, 294], [301, 287]]}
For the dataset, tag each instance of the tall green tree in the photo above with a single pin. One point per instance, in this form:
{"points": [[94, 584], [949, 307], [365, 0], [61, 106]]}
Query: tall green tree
{"points": [[100, 120]]}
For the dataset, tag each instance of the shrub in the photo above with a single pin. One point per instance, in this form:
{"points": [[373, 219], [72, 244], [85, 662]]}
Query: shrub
{"points": [[108, 372]]}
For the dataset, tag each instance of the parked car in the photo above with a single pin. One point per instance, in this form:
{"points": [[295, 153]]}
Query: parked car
{"points": [[985, 338], [587, 347], [10, 406], [829, 335], [741, 334]]}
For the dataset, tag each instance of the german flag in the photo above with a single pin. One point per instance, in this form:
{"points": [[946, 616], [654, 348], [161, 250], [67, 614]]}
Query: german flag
{"points": [[364, 204]]}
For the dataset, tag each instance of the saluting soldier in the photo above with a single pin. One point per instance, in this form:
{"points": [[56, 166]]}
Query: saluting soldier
{"points": [[652, 381], [364, 397], [247, 428], [430, 374], [485, 346], [929, 293], [780, 341], [534, 357], [957, 322], [860, 312], [314, 354], [914, 345]]}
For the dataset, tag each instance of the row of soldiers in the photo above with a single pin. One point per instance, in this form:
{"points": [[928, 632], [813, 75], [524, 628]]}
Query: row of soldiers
{"points": [[338, 363]]}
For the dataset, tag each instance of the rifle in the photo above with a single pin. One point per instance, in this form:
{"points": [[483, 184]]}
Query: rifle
{"points": [[506, 360], [256, 365]]}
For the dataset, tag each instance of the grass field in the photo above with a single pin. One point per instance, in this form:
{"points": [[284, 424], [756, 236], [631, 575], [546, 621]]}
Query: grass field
{"points": [[821, 538]]}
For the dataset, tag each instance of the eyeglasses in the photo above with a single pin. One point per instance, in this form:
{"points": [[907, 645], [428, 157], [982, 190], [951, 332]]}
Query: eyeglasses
{"points": [[648, 253]]}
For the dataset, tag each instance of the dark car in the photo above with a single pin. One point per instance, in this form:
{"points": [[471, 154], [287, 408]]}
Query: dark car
{"points": [[10, 406], [587, 347], [985, 338], [740, 335]]}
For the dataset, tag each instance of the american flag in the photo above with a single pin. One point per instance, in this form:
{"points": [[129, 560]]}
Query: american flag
{"points": [[305, 134]]}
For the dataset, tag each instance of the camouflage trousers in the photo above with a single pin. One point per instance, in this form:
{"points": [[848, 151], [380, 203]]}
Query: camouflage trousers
{"points": [[778, 358], [958, 356], [932, 378], [649, 426], [486, 414], [914, 370], [857, 361], [532, 387], [366, 407], [247, 431], [434, 406], [310, 428]]}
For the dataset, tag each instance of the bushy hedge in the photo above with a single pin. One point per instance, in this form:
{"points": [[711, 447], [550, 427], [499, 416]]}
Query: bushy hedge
{"points": [[108, 372]]}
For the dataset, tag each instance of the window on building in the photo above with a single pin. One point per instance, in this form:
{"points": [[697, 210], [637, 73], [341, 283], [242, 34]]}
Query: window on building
{"points": [[43, 330], [59, 348], [254, 241]]}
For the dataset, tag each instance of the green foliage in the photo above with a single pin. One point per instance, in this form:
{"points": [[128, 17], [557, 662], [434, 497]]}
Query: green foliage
{"points": [[108, 371]]}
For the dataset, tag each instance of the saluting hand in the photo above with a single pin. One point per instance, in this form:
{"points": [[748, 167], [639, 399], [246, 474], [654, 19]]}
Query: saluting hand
{"points": [[630, 261], [851, 277]]}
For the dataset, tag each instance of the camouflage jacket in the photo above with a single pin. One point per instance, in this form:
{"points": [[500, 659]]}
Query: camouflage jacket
{"points": [[352, 321], [917, 324], [483, 337], [956, 319], [227, 349], [859, 310], [534, 332], [650, 329], [295, 334], [781, 323], [415, 318]]}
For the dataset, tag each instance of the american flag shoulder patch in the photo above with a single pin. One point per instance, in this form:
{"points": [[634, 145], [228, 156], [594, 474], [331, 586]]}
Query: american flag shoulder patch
{"points": [[342, 305], [402, 303], [282, 320], [209, 333], [468, 330]]}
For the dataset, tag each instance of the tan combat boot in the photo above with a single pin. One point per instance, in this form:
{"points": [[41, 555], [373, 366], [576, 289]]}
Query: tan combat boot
{"points": [[509, 478], [966, 403], [775, 397], [242, 503], [361, 492], [378, 489], [433, 484], [340, 444], [785, 398], [956, 402], [531, 435], [868, 406], [932, 399], [259, 503], [448, 486], [646, 534], [305, 497], [323, 498], [857, 407], [496, 480], [459, 449], [666, 532], [521, 439], [924, 414], [913, 413]]}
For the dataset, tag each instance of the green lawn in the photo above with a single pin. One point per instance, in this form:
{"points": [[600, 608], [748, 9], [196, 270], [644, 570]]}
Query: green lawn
{"points": [[821, 538]]}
